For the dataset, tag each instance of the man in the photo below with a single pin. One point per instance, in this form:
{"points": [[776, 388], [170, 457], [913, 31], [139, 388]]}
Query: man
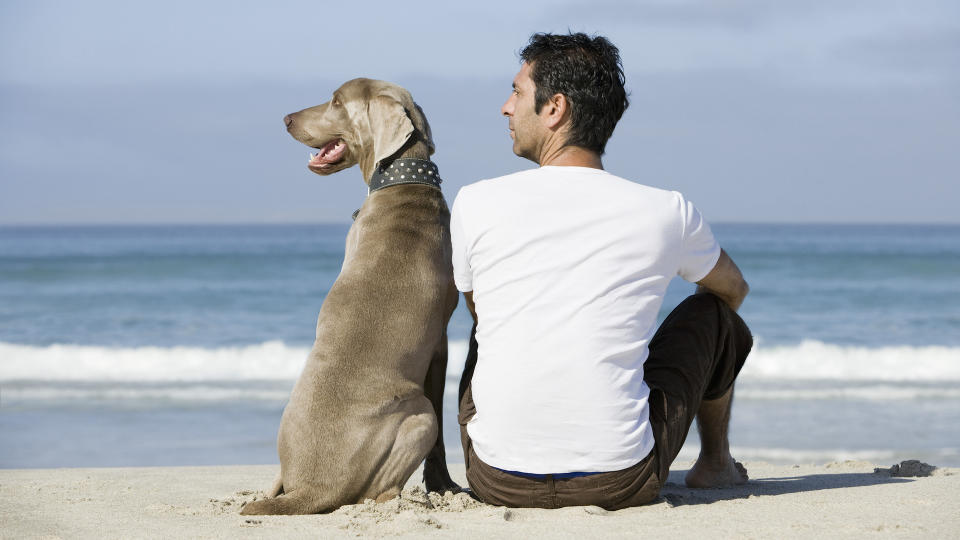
{"points": [[568, 397]]}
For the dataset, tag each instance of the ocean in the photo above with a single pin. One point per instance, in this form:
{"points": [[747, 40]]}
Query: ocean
{"points": [[179, 345]]}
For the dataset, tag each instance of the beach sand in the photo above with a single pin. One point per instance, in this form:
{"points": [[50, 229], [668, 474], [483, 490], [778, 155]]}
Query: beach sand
{"points": [[837, 500]]}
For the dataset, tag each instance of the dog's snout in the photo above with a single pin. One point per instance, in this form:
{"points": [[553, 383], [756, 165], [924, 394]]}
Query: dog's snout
{"points": [[287, 120]]}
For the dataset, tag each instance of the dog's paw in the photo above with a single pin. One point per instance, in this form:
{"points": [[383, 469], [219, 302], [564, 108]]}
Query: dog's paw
{"points": [[441, 485]]}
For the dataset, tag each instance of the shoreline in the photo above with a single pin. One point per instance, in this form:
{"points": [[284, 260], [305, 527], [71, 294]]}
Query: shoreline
{"points": [[835, 500]]}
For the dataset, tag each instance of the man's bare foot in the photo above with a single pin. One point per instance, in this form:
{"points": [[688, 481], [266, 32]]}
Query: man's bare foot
{"points": [[710, 474]]}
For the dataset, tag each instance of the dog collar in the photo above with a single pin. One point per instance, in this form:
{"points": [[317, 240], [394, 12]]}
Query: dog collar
{"points": [[404, 171]]}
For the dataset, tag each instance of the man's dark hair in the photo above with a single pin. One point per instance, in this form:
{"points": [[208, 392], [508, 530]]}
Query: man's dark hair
{"points": [[587, 70]]}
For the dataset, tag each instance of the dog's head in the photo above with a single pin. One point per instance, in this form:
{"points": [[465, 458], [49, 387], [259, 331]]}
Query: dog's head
{"points": [[365, 122]]}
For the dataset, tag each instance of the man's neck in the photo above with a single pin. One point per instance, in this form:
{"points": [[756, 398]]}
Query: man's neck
{"points": [[572, 156]]}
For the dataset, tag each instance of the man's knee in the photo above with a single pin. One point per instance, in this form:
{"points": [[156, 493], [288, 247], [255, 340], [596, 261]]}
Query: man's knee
{"points": [[738, 331]]}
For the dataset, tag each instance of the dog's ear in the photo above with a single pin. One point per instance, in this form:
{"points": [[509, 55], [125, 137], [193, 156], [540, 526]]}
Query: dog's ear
{"points": [[390, 125], [421, 124]]}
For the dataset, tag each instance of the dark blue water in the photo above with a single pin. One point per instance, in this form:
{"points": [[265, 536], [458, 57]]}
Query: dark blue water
{"points": [[227, 285]]}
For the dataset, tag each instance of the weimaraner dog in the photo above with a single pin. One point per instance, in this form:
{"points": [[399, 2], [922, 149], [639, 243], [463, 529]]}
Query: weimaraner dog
{"points": [[367, 408]]}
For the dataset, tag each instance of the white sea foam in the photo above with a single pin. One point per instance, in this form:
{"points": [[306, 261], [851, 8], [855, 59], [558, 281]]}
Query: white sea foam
{"points": [[272, 360], [753, 390], [169, 393], [817, 360], [275, 361]]}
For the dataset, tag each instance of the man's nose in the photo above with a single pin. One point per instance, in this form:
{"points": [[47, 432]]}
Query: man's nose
{"points": [[507, 109]]}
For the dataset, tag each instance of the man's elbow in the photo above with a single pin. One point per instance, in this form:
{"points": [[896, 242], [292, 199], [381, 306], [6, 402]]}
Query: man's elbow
{"points": [[744, 290], [739, 295]]}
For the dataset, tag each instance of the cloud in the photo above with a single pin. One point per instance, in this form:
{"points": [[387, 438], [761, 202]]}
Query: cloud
{"points": [[818, 43], [294, 41]]}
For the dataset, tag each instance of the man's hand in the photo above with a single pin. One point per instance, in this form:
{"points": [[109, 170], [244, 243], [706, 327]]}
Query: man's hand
{"points": [[725, 281]]}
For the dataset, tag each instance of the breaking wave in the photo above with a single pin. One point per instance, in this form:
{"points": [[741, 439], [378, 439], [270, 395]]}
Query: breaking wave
{"points": [[277, 361]]}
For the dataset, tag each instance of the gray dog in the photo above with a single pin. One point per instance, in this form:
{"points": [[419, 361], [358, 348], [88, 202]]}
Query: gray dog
{"points": [[367, 408]]}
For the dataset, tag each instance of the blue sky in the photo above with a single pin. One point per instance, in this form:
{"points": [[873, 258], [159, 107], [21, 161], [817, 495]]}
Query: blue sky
{"points": [[816, 111]]}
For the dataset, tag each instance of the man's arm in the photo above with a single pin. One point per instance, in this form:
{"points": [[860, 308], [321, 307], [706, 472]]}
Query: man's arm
{"points": [[468, 296], [725, 281]]}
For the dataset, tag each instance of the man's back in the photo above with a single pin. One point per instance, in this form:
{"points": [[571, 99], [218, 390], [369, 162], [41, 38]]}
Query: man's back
{"points": [[568, 267]]}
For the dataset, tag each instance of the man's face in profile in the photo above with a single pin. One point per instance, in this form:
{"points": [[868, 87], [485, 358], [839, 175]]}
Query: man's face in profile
{"points": [[526, 128]]}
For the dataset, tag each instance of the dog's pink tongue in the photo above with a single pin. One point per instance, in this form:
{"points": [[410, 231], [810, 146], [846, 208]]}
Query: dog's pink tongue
{"points": [[329, 153]]}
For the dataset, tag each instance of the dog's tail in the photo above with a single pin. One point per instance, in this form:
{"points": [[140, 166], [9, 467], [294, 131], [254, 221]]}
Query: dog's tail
{"points": [[277, 487], [300, 501]]}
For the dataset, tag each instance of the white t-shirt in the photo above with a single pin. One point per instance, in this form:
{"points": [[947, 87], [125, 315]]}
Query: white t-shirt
{"points": [[568, 268]]}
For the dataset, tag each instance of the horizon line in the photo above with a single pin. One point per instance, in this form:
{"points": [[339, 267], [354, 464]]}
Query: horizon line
{"points": [[13, 225]]}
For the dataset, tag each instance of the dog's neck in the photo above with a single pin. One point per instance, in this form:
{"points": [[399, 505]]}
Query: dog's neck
{"points": [[408, 167], [414, 148]]}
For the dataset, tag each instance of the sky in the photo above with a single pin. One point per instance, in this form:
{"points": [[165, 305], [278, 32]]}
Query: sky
{"points": [[758, 111]]}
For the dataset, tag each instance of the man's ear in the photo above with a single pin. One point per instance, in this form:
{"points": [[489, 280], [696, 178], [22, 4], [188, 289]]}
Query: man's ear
{"points": [[390, 125], [557, 110]]}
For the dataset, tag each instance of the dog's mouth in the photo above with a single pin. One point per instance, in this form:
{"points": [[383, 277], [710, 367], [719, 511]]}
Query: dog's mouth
{"points": [[329, 155]]}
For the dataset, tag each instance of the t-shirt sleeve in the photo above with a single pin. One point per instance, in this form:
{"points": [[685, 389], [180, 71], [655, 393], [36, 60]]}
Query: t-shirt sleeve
{"points": [[462, 274], [700, 250]]}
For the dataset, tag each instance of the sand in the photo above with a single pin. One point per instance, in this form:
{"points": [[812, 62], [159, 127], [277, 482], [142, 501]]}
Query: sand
{"points": [[838, 500]]}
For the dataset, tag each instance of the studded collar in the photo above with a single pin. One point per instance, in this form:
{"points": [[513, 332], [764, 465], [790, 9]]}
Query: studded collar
{"points": [[404, 171]]}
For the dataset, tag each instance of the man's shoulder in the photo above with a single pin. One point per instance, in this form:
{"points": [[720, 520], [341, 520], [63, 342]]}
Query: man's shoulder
{"points": [[632, 192], [493, 182], [489, 187], [644, 189]]}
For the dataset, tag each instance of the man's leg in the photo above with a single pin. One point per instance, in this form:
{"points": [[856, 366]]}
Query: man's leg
{"points": [[715, 467], [694, 359]]}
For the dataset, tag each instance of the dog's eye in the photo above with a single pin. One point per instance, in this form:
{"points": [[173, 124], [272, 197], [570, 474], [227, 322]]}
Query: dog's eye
{"points": [[336, 101]]}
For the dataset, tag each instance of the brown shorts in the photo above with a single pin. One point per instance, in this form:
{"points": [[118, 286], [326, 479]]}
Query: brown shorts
{"points": [[696, 354]]}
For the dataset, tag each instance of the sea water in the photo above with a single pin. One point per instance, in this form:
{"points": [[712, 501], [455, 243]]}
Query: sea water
{"points": [[179, 345]]}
